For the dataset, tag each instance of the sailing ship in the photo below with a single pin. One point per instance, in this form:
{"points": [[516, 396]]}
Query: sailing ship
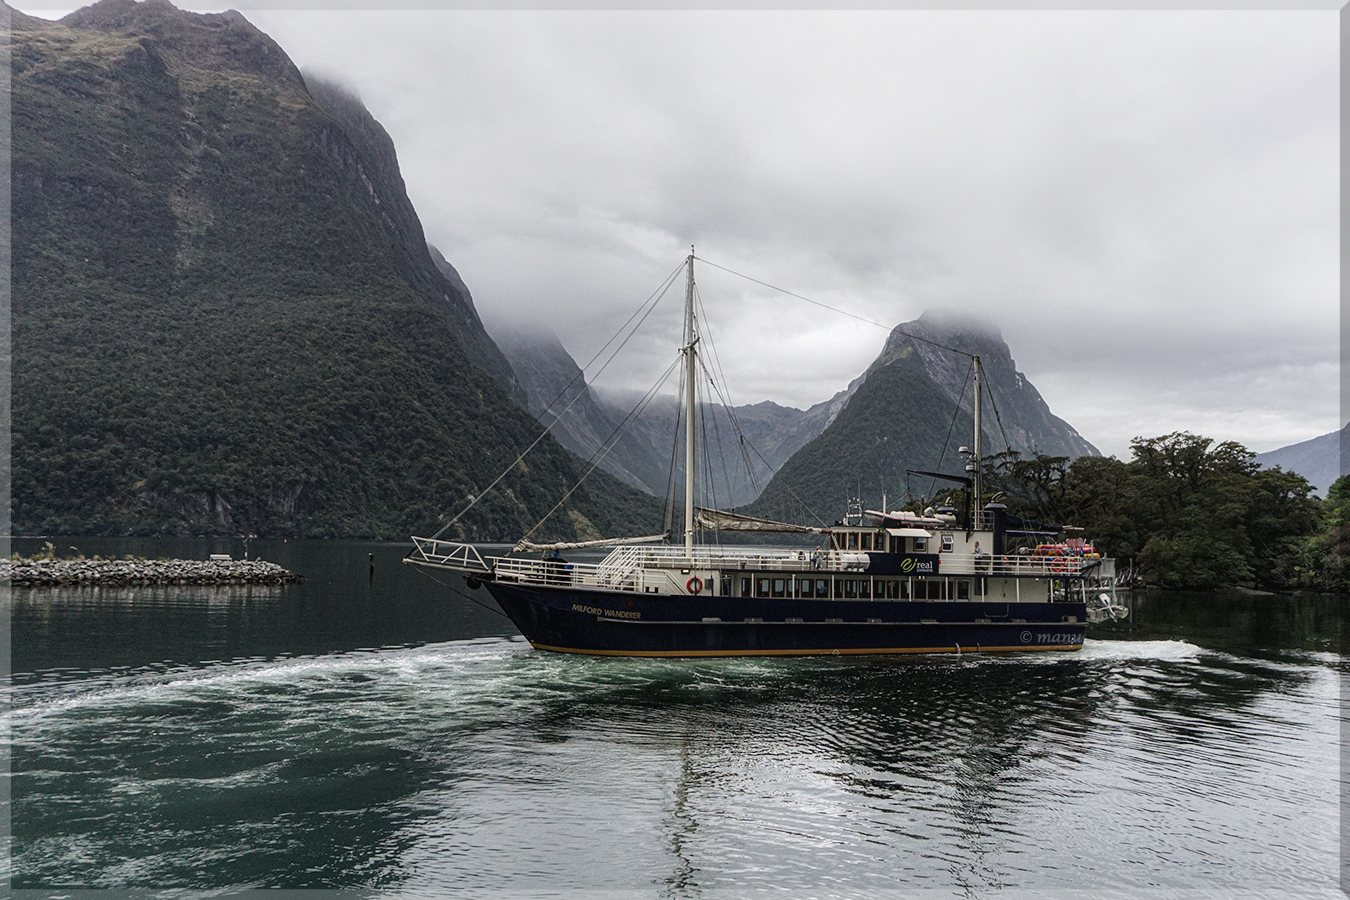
{"points": [[880, 582]]}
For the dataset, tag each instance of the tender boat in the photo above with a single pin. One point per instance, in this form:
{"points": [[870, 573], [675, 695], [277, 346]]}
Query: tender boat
{"points": [[880, 582]]}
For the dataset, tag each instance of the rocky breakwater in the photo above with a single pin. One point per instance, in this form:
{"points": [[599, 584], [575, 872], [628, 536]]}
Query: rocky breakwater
{"points": [[48, 572]]}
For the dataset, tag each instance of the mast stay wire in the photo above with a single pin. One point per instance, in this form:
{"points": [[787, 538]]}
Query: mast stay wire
{"points": [[725, 398], [914, 337], [596, 461], [745, 442], [1007, 445], [842, 312], [674, 454], [650, 305], [721, 379], [946, 442]]}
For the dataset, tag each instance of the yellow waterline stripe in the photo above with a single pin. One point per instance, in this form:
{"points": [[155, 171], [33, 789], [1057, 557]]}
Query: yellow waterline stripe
{"points": [[871, 651]]}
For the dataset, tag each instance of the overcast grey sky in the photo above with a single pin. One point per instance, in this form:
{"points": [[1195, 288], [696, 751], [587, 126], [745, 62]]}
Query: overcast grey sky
{"points": [[1146, 203]]}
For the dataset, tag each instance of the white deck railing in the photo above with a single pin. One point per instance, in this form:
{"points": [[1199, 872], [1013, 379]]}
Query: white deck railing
{"points": [[1016, 565], [623, 568]]}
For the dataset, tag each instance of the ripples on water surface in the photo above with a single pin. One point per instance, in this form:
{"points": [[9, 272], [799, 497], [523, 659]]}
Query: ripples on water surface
{"points": [[1141, 766]]}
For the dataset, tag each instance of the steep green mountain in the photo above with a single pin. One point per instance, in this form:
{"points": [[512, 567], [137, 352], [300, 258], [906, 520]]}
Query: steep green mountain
{"points": [[225, 316], [912, 409], [896, 419], [559, 397]]}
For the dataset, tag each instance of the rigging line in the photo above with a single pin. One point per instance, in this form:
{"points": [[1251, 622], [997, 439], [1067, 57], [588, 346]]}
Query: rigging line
{"points": [[745, 442], [705, 412], [726, 404], [842, 312], [721, 446], [1007, 445], [598, 456], [468, 597], [474, 502], [742, 440], [718, 387], [635, 413], [654, 301], [674, 452], [786, 486], [956, 412], [656, 296]]}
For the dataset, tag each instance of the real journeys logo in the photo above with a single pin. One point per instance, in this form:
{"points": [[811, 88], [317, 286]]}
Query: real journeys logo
{"points": [[912, 566]]}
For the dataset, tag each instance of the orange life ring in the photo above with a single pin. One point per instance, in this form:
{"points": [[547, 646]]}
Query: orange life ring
{"points": [[1059, 565], [694, 585]]}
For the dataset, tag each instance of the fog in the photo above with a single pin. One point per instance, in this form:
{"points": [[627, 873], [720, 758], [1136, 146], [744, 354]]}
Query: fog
{"points": [[1145, 203]]}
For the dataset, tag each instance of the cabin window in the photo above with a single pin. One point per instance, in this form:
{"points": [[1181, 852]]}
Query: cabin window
{"points": [[929, 590], [823, 588], [853, 540], [963, 590], [887, 589], [762, 587], [867, 541], [804, 588], [946, 543], [726, 585], [921, 545], [865, 589], [904, 590], [745, 587], [779, 585]]}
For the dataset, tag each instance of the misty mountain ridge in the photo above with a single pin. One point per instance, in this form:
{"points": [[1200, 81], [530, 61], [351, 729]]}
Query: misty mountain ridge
{"points": [[1321, 460], [935, 379]]}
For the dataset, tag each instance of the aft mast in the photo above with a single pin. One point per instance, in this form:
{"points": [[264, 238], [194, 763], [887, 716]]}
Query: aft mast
{"points": [[979, 390], [690, 363]]}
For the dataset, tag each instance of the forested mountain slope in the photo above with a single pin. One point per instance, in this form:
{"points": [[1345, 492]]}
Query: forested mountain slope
{"points": [[225, 317], [912, 409]]}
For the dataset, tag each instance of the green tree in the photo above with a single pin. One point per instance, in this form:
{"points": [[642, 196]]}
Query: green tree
{"points": [[1324, 559], [1194, 513]]}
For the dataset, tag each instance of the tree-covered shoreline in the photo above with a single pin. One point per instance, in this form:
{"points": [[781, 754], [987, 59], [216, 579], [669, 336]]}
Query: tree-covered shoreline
{"points": [[1191, 513]]}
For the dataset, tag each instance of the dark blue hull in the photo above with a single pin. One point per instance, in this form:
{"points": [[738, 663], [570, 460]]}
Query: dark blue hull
{"points": [[613, 623]]}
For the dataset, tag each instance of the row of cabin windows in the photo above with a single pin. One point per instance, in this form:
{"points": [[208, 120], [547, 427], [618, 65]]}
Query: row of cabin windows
{"points": [[852, 588], [866, 540]]}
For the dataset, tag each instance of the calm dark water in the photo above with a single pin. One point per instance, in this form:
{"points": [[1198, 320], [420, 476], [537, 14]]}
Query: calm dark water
{"points": [[387, 735]]}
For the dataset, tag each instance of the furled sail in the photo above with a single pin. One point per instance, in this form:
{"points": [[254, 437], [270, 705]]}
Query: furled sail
{"points": [[717, 520], [531, 547]]}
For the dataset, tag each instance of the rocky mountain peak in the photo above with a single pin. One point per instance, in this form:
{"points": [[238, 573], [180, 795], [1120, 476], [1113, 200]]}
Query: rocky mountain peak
{"points": [[1024, 419], [219, 42]]}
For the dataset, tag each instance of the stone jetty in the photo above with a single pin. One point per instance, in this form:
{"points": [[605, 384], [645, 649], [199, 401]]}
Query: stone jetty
{"points": [[44, 572]]}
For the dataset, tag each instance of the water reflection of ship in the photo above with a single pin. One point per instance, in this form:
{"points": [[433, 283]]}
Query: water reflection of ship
{"points": [[798, 756], [774, 742], [943, 581]]}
